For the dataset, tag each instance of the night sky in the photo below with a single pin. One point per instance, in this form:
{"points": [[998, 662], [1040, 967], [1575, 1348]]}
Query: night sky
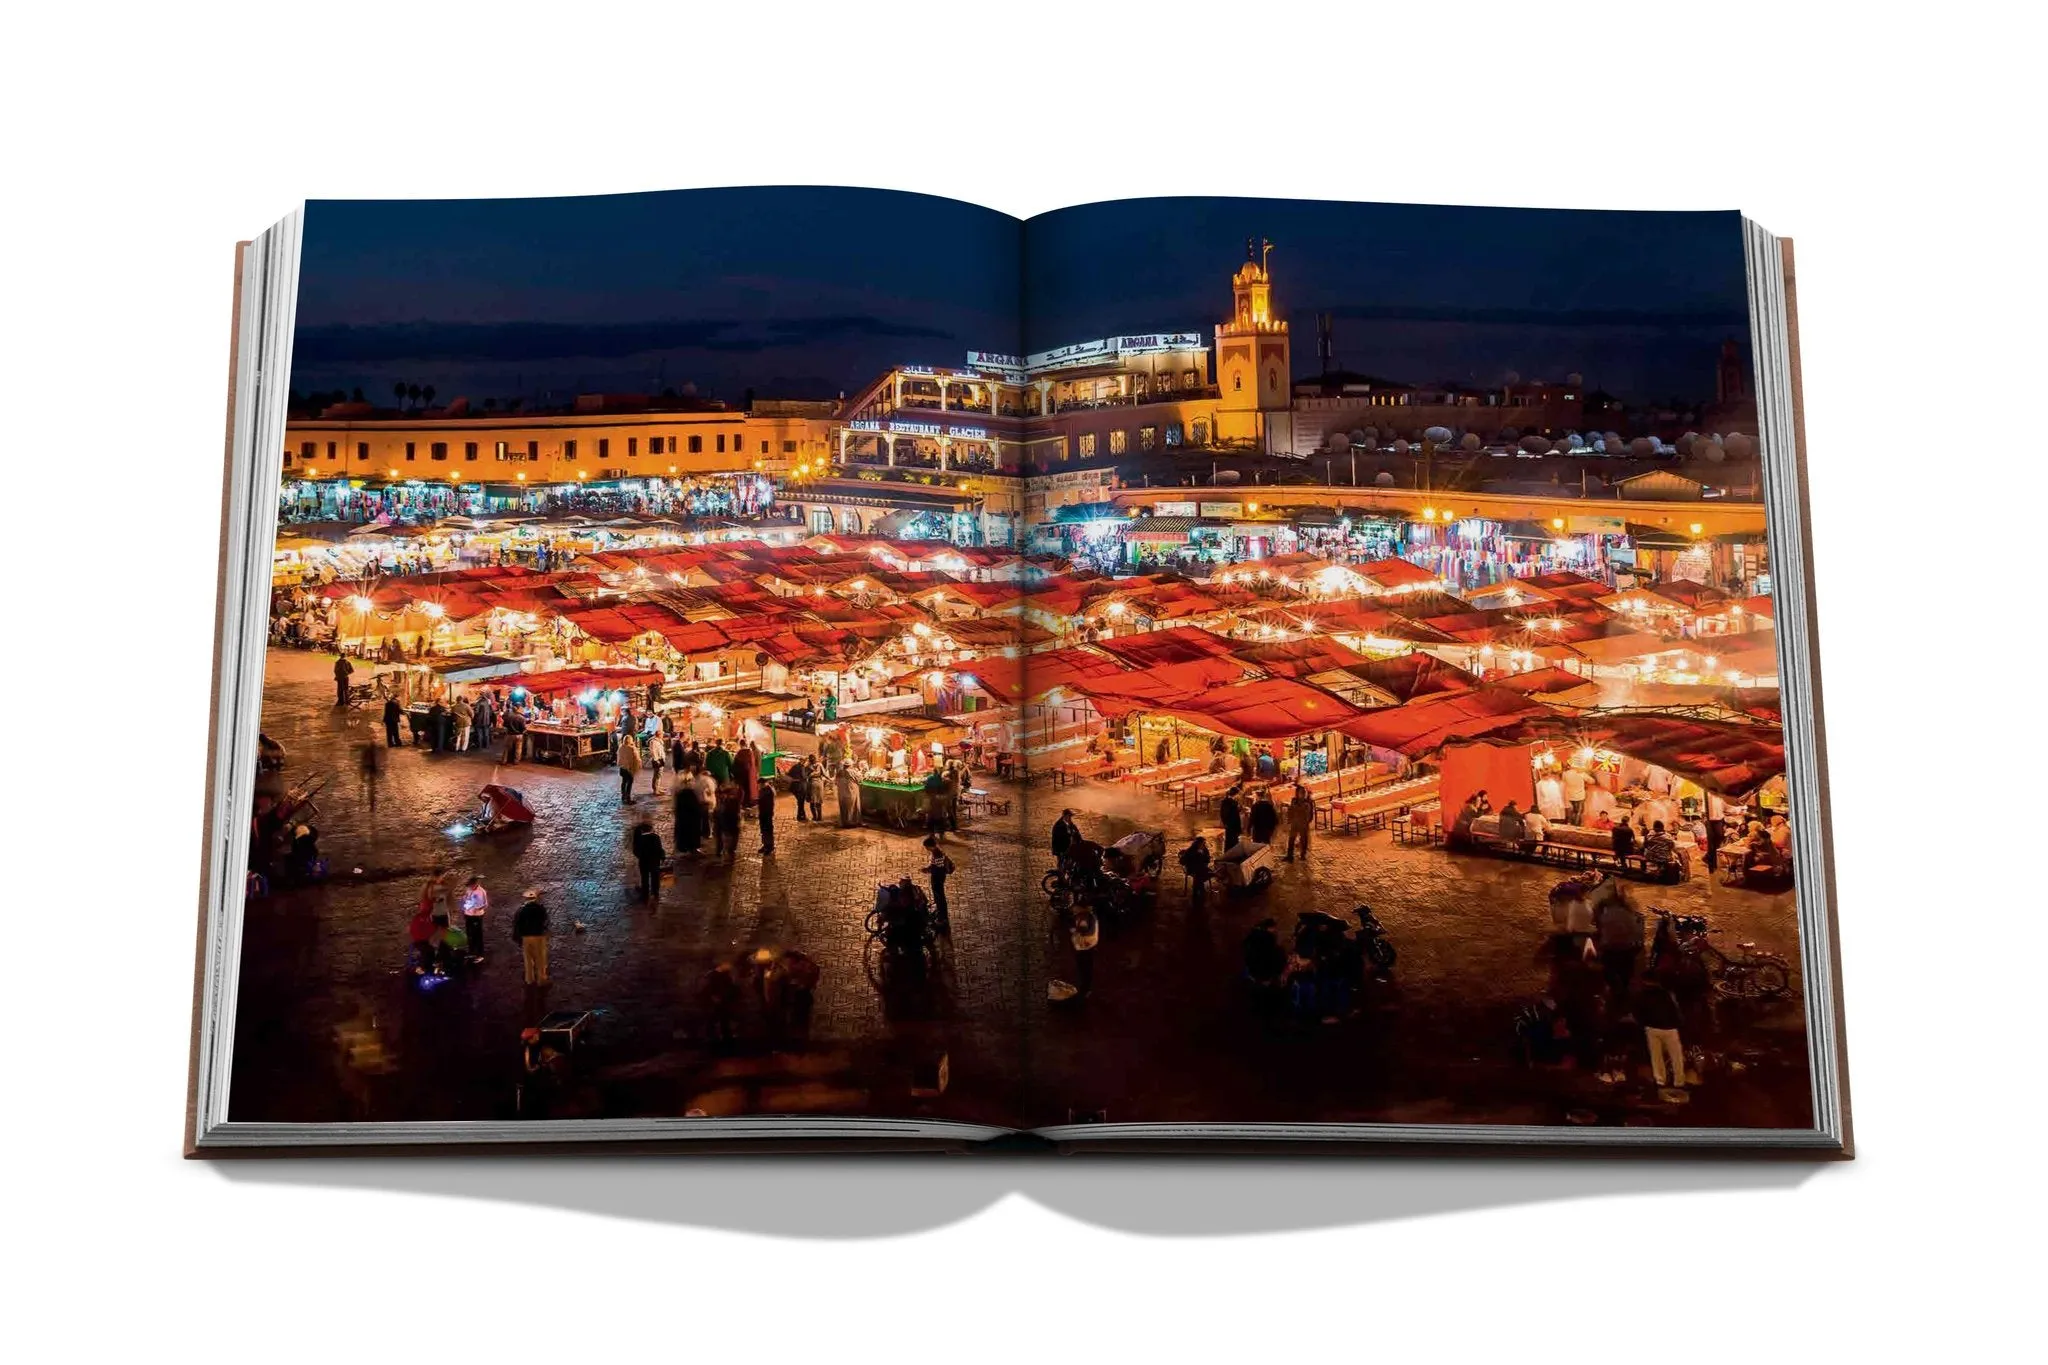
{"points": [[798, 292]]}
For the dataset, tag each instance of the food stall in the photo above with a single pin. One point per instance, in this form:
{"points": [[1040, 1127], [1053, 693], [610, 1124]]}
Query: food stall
{"points": [[737, 716], [580, 709], [896, 802]]}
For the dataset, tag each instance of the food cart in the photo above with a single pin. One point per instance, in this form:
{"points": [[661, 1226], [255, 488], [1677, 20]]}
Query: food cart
{"points": [[898, 804], [583, 711]]}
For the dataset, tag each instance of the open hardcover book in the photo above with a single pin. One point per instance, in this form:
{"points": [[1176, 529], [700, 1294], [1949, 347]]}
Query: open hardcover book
{"points": [[827, 668]]}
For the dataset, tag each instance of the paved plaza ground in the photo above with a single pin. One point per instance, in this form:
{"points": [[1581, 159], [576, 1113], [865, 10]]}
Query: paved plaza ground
{"points": [[331, 1025]]}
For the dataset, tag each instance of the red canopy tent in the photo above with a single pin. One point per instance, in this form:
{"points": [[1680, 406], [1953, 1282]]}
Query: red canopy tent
{"points": [[1390, 574], [1420, 726], [1300, 658], [1266, 709], [573, 680], [1178, 645]]}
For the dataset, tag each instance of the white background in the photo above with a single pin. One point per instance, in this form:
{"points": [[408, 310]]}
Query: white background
{"points": [[139, 146]]}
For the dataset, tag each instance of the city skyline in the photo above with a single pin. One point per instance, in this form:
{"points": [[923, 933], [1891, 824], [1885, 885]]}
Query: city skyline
{"points": [[733, 291]]}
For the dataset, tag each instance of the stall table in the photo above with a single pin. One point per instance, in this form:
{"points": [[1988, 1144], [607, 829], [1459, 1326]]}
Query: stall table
{"points": [[1373, 806], [570, 745], [900, 805]]}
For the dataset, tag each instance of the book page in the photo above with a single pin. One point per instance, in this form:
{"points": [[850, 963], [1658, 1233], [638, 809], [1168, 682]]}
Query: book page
{"points": [[634, 556], [1412, 688]]}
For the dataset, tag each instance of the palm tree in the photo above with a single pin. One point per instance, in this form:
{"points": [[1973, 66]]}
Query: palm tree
{"points": [[412, 393], [428, 394], [398, 392]]}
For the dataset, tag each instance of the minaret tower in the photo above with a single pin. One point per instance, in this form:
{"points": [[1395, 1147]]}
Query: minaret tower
{"points": [[1254, 374]]}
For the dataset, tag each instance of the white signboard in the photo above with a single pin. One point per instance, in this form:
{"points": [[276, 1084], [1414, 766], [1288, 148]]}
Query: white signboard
{"points": [[994, 360]]}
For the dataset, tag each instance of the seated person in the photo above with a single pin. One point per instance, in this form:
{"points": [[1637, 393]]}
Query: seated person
{"points": [[1535, 826], [1661, 851], [1513, 829], [1264, 959], [1461, 827], [1602, 821]]}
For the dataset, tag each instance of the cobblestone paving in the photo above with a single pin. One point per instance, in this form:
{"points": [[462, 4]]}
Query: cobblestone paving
{"points": [[331, 1025]]}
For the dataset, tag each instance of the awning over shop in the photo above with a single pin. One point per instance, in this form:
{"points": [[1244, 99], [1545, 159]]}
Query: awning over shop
{"points": [[575, 680], [1269, 708], [1390, 575], [1179, 644], [1422, 726], [1733, 758], [1654, 538], [1301, 657]]}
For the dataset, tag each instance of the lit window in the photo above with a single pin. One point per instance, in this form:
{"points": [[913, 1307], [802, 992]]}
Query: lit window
{"points": [[1087, 444], [1119, 442]]}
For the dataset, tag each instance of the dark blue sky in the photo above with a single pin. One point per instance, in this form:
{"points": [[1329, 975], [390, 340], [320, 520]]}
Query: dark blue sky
{"points": [[806, 292]]}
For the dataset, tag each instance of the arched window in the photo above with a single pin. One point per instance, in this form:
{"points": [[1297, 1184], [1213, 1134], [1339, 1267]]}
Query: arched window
{"points": [[1237, 383]]}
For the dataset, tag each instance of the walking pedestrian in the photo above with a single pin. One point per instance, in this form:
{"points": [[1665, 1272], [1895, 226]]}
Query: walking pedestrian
{"points": [[1657, 1011], [848, 794], [1231, 815], [392, 715], [718, 995], [935, 805], [1301, 819], [938, 867], [814, 787], [657, 759], [718, 762], [725, 832], [1574, 795], [799, 974], [1084, 934], [649, 854], [764, 808], [1263, 820], [1065, 835], [515, 738], [689, 811], [462, 719], [476, 902], [1195, 861], [629, 767], [342, 669], [530, 927], [746, 770], [1618, 931]]}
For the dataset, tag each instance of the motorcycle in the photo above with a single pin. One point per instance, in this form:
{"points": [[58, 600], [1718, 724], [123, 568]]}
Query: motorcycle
{"points": [[1372, 938]]}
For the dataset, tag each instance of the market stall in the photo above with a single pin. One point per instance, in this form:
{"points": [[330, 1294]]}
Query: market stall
{"points": [[577, 709]]}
